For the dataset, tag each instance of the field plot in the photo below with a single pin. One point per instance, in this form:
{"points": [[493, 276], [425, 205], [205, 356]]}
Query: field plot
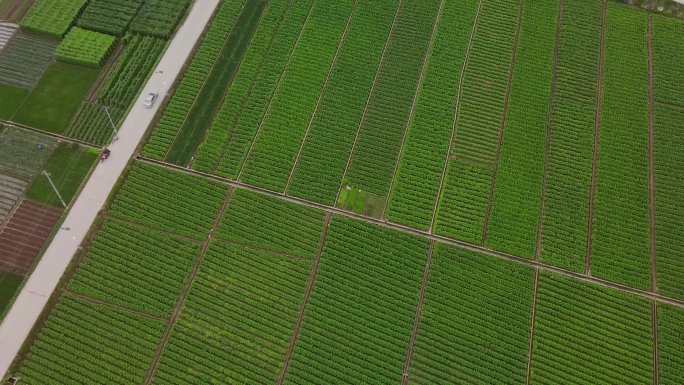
{"points": [[11, 191], [239, 316], [668, 158], [568, 168], [52, 17], [588, 334], [23, 153], [88, 48], [516, 202], [427, 141], [670, 350], [87, 343], [9, 283], [473, 158], [109, 16], [620, 244], [159, 17], [7, 31], [24, 59], [14, 10], [472, 332], [24, 235], [358, 321]]}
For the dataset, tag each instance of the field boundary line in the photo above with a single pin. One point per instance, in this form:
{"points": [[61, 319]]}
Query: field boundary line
{"points": [[185, 291], [412, 114], [425, 234], [311, 282], [535, 295], [457, 115], [277, 88], [381, 65], [549, 131], [121, 308], [204, 83], [597, 139], [321, 94], [419, 312], [504, 123], [651, 200], [248, 95]]}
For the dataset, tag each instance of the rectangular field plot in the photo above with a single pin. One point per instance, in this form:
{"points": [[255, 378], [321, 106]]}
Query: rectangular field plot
{"points": [[109, 16], [670, 347], [23, 153], [81, 343], [473, 331], [238, 319], [52, 17], [143, 269], [159, 17], [24, 59], [472, 163], [168, 201], [357, 324], [586, 334], [516, 202], [668, 54], [620, 243]]}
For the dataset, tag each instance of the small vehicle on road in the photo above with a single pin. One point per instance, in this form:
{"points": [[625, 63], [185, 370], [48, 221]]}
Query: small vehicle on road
{"points": [[150, 98], [105, 154]]}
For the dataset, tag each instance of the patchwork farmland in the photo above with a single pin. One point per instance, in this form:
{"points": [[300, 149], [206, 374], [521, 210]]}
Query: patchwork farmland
{"points": [[364, 192]]}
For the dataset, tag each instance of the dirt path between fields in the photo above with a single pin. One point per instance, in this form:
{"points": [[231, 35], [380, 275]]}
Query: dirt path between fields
{"points": [[502, 127], [186, 290], [424, 234], [419, 314], [549, 132], [651, 199], [457, 108], [597, 140], [311, 283]]}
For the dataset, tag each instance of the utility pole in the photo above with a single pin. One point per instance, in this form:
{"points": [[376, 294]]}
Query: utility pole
{"points": [[111, 121], [47, 175]]}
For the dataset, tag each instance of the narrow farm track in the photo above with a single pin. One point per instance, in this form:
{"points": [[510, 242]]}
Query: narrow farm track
{"points": [[324, 89], [649, 295], [532, 323], [419, 314], [549, 131], [407, 127], [186, 290], [651, 200], [597, 138], [457, 103], [502, 127], [123, 309], [370, 94], [311, 282], [264, 118]]}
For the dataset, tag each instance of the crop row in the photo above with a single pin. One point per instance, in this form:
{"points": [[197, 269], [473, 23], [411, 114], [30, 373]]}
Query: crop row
{"points": [[483, 328], [109, 16], [160, 17], [90, 344], [670, 348], [516, 202], [52, 17], [620, 239], [294, 103], [589, 334], [193, 80], [358, 321], [144, 269], [254, 220], [242, 124], [668, 159], [467, 185], [88, 48], [427, 140], [211, 149], [121, 86], [167, 200], [570, 151], [238, 319], [324, 154], [382, 129]]}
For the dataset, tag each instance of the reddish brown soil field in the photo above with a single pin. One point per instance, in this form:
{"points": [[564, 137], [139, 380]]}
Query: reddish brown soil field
{"points": [[25, 234]]}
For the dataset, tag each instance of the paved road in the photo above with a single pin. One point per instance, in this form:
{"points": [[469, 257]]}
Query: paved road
{"points": [[32, 299]]}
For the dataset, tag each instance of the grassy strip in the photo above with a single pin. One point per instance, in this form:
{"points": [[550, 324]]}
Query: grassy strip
{"points": [[201, 115], [11, 99], [9, 283]]}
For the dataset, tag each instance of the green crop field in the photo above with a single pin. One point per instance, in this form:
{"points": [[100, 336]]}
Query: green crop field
{"points": [[375, 192]]}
